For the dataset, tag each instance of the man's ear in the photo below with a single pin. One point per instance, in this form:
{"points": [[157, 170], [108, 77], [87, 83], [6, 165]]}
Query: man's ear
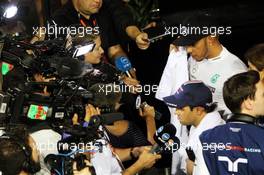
{"points": [[210, 40], [247, 104], [199, 110]]}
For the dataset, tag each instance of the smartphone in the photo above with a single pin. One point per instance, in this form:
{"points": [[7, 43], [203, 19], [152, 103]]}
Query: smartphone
{"points": [[156, 38], [156, 33]]}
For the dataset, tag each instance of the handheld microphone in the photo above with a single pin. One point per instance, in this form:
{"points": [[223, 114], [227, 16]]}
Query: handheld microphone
{"points": [[124, 65], [166, 141], [158, 115]]}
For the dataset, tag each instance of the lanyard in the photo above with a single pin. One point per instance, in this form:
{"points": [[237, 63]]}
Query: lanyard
{"points": [[87, 22]]}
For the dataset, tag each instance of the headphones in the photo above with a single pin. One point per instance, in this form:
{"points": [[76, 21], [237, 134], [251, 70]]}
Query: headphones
{"points": [[245, 118], [28, 165]]}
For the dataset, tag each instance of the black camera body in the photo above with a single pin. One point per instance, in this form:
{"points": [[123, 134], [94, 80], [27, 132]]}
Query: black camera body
{"points": [[64, 164]]}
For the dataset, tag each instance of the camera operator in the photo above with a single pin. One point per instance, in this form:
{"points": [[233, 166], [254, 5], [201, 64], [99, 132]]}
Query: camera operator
{"points": [[124, 133], [109, 160], [18, 154], [17, 77], [40, 131], [46, 139]]}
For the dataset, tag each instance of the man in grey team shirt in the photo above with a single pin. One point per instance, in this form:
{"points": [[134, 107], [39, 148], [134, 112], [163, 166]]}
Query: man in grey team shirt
{"points": [[209, 61]]}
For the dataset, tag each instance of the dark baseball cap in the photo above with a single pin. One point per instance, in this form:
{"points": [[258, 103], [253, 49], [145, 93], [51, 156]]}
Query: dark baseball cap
{"points": [[194, 28], [191, 93]]}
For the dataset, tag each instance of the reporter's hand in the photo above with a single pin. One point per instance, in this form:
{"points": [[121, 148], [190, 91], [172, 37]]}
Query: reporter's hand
{"points": [[148, 111], [147, 159], [75, 119], [137, 151], [84, 171], [132, 83], [39, 36], [90, 111], [133, 73], [142, 41], [173, 47]]}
